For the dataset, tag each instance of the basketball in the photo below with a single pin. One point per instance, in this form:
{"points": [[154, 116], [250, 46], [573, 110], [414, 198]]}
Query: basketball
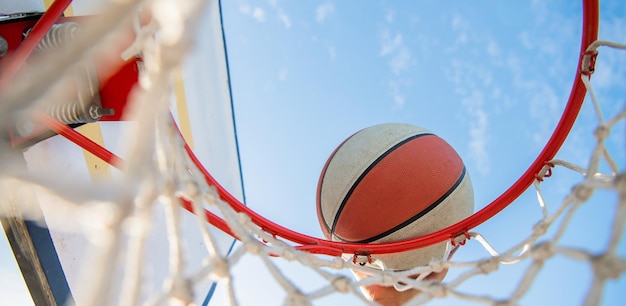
{"points": [[393, 182]]}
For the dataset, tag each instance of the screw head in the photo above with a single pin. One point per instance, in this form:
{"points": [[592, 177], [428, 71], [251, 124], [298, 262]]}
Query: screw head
{"points": [[4, 46]]}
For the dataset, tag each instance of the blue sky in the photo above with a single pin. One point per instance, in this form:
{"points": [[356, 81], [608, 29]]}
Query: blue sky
{"points": [[490, 77]]}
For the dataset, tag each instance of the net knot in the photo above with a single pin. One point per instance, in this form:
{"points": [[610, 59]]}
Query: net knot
{"points": [[608, 266], [288, 254], [191, 190], [221, 268], [504, 303], [181, 291], [489, 265], [437, 290], [342, 284], [620, 184], [602, 132], [169, 186], [582, 192], [243, 219], [210, 195], [337, 263], [540, 228], [437, 265], [388, 279], [253, 247], [296, 298], [542, 251]]}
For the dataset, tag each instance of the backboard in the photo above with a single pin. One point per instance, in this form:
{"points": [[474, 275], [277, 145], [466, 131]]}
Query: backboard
{"points": [[201, 105]]}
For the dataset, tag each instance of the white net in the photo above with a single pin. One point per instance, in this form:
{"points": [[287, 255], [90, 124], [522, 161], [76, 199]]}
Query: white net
{"points": [[158, 176]]}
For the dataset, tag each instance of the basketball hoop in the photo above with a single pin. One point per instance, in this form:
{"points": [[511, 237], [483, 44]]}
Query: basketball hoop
{"points": [[322, 246], [262, 236]]}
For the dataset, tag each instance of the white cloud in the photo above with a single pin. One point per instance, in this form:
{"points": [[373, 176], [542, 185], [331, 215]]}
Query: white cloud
{"points": [[398, 98], [282, 16], [245, 9], [525, 40], [539, 10], [459, 23], [282, 74], [399, 60], [543, 109], [492, 48], [257, 13], [471, 81], [389, 44], [323, 11], [540, 96], [414, 21], [332, 52], [460, 41], [478, 130], [400, 56], [461, 27], [390, 16]]}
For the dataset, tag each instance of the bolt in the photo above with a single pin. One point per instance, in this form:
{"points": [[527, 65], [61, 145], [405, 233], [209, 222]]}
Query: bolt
{"points": [[4, 46], [96, 112], [24, 127]]}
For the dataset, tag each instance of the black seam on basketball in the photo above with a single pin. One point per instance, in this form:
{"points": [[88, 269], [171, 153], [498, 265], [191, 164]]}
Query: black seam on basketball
{"points": [[321, 212], [321, 185], [319, 205], [420, 214], [367, 170]]}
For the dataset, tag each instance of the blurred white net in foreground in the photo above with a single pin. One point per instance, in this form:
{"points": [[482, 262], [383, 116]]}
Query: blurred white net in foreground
{"points": [[158, 173]]}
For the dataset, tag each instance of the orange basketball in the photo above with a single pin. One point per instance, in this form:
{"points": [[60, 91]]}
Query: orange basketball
{"points": [[393, 182]]}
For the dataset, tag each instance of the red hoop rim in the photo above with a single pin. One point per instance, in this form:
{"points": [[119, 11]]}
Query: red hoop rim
{"points": [[590, 20], [321, 246]]}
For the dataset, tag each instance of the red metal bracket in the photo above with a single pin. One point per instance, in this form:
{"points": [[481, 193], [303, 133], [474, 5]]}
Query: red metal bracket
{"points": [[114, 87]]}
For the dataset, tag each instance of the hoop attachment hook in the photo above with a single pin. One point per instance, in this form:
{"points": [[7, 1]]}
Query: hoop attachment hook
{"points": [[460, 239], [546, 171], [588, 66], [362, 259]]}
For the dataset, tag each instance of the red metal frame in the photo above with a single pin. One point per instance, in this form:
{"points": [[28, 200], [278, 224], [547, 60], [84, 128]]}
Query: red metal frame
{"points": [[34, 37], [114, 87], [322, 246]]}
